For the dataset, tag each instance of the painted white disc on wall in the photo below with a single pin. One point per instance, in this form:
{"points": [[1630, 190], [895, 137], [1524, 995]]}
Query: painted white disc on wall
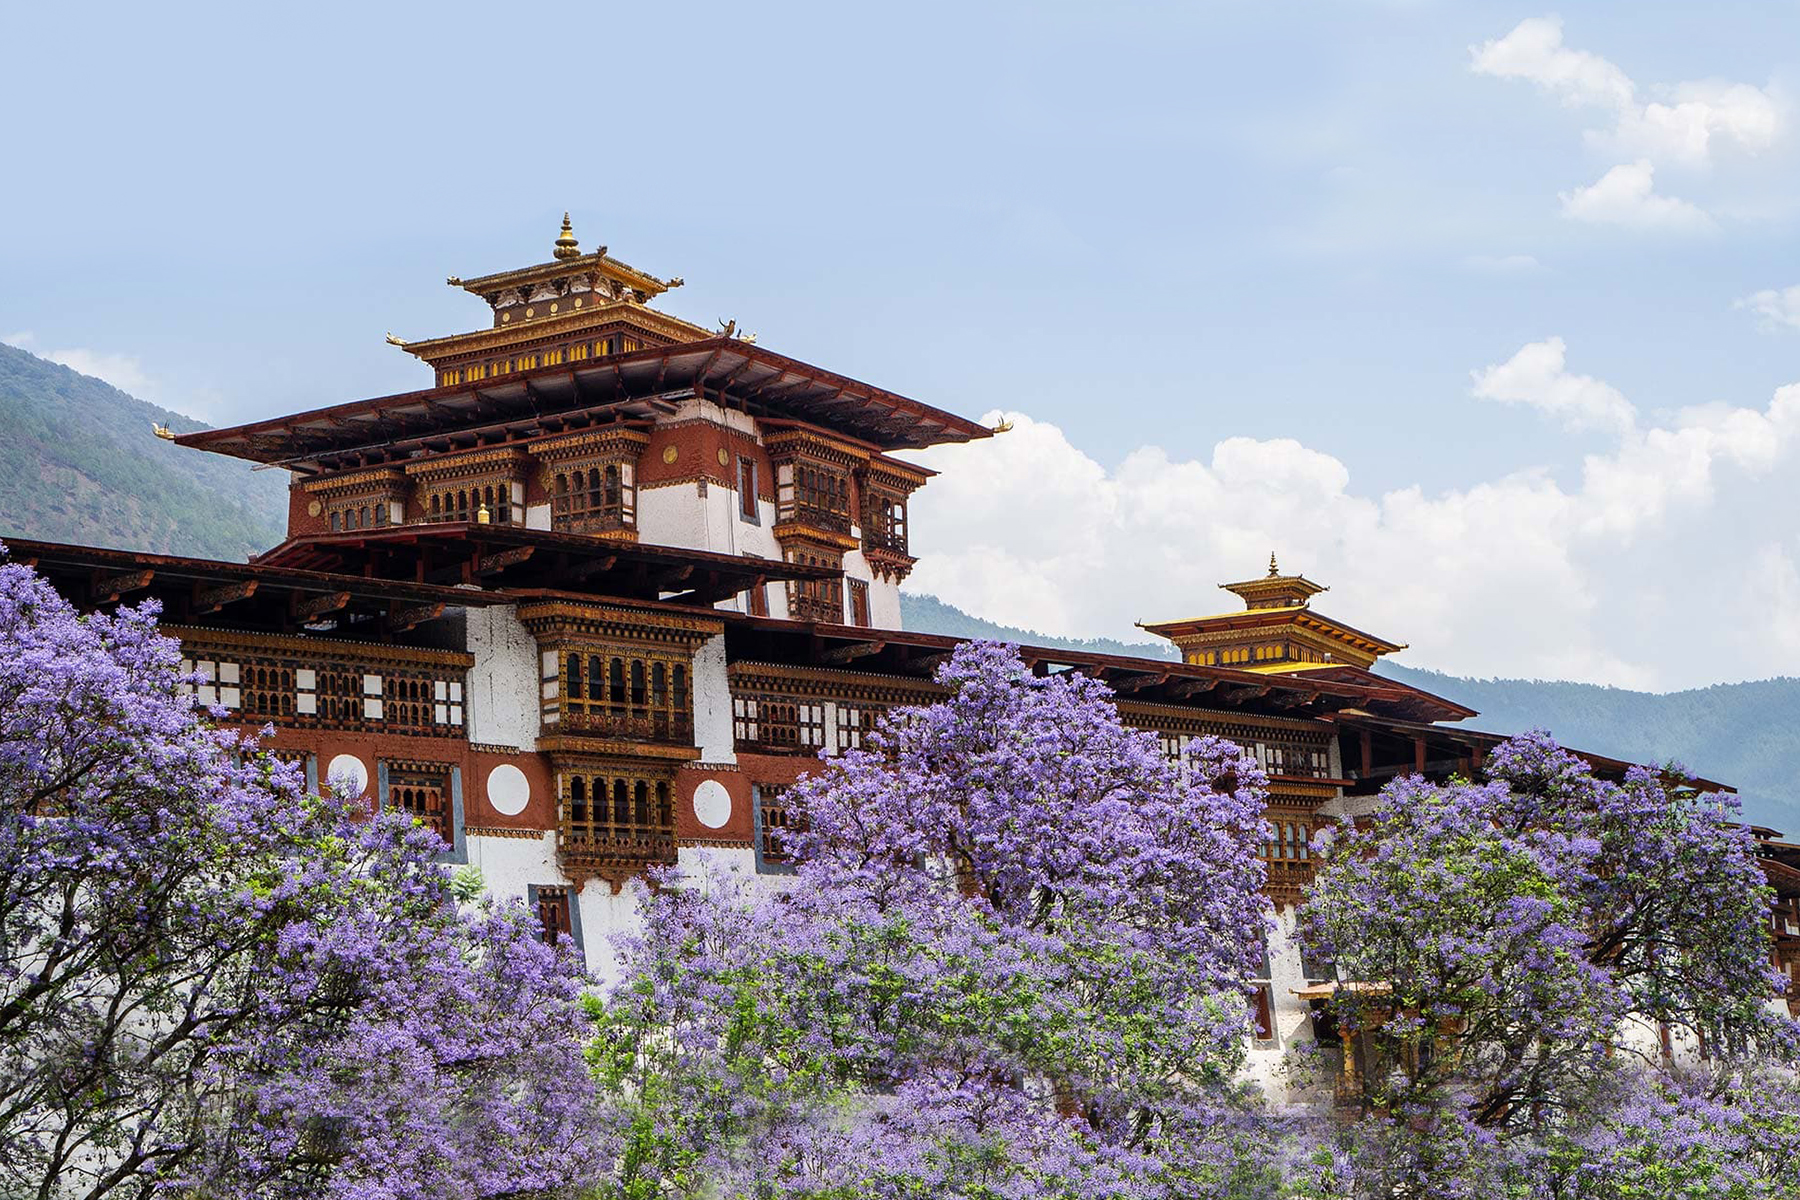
{"points": [[508, 790], [712, 803], [350, 771]]}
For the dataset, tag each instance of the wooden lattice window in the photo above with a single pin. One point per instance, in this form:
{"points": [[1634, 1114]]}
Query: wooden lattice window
{"points": [[815, 599], [422, 790], [772, 802], [615, 818], [859, 602], [619, 694], [820, 497], [593, 499], [464, 502], [554, 914], [885, 523]]}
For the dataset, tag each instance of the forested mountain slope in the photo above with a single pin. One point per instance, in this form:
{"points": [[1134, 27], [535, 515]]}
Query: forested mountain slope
{"points": [[78, 464]]}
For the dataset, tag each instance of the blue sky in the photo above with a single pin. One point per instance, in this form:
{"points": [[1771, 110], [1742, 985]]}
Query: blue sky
{"points": [[1470, 310]]}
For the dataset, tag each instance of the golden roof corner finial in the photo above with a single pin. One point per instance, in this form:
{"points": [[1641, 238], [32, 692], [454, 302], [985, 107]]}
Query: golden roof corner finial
{"points": [[161, 431], [1273, 569], [566, 245], [1003, 426], [394, 341]]}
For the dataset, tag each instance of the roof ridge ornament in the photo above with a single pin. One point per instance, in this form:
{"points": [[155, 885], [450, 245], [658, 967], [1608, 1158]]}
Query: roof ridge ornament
{"points": [[566, 245], [1274, 571]]}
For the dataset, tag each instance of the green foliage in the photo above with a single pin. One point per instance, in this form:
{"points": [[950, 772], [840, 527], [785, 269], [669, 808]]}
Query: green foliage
{"points": [[78, 463]]}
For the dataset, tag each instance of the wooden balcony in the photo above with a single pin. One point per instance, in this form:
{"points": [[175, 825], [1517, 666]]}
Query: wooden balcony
{"points": [[614, 857], [671, 728]]}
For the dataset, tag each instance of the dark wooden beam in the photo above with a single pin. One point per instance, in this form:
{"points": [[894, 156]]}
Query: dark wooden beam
{"points": [[1193, 687]]}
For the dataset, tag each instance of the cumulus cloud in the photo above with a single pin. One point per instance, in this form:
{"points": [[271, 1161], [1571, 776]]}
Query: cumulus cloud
{"points": [[121, 370], [1775, 309], [1683, 124], [1516, 575], [1626, 196], [1536, 377]]}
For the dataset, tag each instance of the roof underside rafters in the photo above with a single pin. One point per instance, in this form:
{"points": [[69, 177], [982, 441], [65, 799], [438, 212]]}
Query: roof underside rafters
{"points": [[640, 386]]}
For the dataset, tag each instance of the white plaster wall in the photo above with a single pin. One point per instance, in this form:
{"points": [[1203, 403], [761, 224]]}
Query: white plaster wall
{"points": [[884, 604], [884, 597], [510, 864], [503, 683], [1292, 1017], [712, 703], [537, 516], [605, 915], [672, 516]]}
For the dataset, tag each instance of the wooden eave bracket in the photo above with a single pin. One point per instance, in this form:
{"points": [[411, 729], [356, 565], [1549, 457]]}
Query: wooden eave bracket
{"points": [[108, 588], [851, 652], [211, 600]]}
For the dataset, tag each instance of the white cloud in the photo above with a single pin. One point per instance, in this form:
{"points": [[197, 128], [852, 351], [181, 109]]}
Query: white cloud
{"points": [[1684, 124], [1534, 51], [121, 370], [1774, 308], [1517, 575], [1776, 579], [1503, 264], [1684, 127], [1626, 196], [1535, 377]]}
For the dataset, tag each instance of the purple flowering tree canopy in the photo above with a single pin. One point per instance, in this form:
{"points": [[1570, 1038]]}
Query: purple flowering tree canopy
{"points": [[1011, 962], [213, 984], [1524, 953]]}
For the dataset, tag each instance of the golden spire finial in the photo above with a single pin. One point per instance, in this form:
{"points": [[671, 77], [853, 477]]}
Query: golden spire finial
{"points": [[1273, 569], [566, 246]]}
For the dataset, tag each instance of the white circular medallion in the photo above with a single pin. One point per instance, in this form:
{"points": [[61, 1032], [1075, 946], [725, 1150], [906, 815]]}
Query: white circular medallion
{"points": [[508, 790], [712, 804], [350, 772]]}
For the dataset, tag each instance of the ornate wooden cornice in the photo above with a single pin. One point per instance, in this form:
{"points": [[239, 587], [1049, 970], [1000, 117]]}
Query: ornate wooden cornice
{"points": [[499, 461], [351, 483], [825, 682], [317, 647], [560, 619], [577, 753], [621, 441]]}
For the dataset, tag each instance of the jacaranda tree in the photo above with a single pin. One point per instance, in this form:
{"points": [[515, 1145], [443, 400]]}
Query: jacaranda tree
{"points": [[1530, 960], [1009, 963], [215, 985]]}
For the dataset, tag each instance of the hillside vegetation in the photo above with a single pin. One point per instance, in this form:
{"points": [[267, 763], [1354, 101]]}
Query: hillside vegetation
{"points": [[78, 464]]}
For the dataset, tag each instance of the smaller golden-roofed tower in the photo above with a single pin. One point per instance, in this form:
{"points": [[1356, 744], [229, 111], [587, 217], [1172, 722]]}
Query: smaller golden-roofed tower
{"points": [[1278, 631]]}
